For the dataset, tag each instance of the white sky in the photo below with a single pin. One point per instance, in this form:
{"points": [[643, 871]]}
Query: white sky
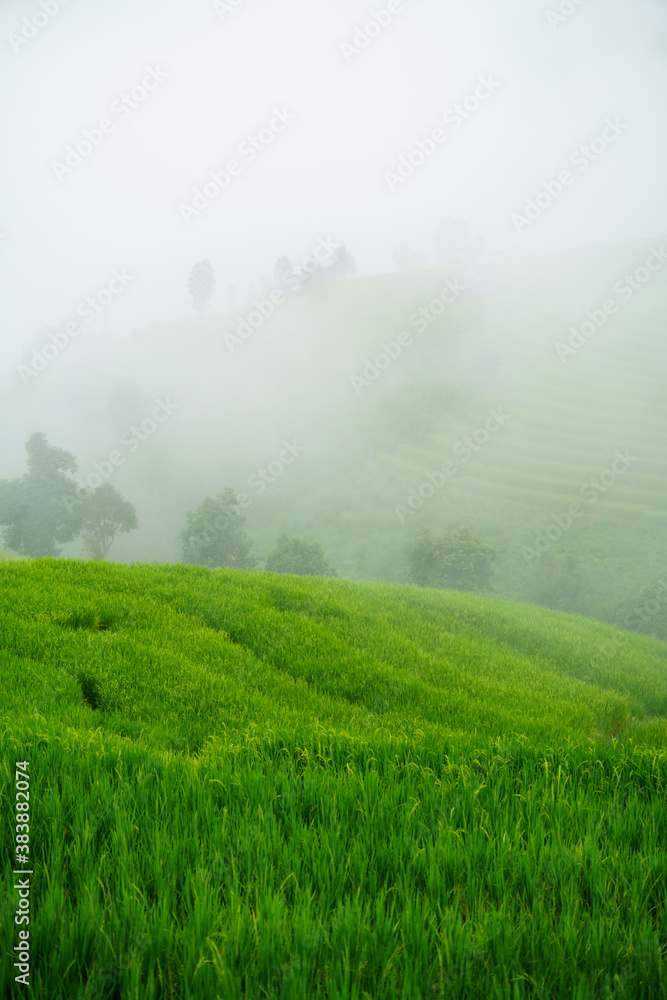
{"points": [[326, 173]]}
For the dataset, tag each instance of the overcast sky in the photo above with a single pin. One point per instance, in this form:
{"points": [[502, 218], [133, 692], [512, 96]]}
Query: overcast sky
{"points": [[347, 116]]}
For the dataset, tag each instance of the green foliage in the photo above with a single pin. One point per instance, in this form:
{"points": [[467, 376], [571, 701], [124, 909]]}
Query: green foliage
{"points": [[457, 560], [103, 514], [39, 510], [423, 552], [215, 534], [394, 432], [201, 285], [228, 770], [294, 555]]}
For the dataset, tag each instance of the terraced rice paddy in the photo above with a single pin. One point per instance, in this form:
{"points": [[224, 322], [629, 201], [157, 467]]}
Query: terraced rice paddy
{"points": [[245, 785]]}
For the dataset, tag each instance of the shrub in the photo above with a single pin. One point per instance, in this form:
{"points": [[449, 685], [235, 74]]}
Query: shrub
{"points": [[216, 536], [294, 555], [458, 560]]}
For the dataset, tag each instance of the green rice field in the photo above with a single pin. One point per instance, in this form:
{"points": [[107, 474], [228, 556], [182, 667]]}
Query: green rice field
{"points": [[244, 785]]}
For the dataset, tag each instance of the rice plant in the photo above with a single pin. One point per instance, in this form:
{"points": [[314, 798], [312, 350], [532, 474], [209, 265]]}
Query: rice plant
{"points": [[245, 785]]}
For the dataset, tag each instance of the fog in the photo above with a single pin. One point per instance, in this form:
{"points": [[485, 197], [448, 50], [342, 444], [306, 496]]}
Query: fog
{"points": [[328, 125], [224, 73]]}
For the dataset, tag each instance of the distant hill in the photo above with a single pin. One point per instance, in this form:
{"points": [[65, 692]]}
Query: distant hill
{"points": [[366, 449]]}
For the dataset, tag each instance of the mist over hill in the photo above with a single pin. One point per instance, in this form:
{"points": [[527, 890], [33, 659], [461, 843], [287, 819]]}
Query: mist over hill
{"points": [[367, 387], [333, 500]]}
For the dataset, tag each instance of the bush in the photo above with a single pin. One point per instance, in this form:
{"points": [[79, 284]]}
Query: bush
{"points": [[216, 536], [40, 509], [457, 560], [294, 555]]}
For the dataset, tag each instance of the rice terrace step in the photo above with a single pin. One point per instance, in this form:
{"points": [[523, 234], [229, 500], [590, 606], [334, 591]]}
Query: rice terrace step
{"points": [[244, 784]]}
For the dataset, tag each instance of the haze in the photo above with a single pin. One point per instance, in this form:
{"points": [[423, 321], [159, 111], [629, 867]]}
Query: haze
{"points": [[226, 71], [565, 113]]}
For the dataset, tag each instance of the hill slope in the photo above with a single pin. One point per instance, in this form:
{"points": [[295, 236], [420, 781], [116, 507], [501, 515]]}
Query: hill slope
{"points": [[361, 453], [247, 785]]}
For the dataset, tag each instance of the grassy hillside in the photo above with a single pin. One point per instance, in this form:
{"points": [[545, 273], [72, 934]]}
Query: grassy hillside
{"points": [[494, 347], [246, 785]]}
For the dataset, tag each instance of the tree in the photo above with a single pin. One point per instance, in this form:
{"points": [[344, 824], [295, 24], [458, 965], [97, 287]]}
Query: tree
{"points": [[41, 508], [407, 259], [201, 285], [301, 558], [283, 271], [457, 560], [103, 514], [457, 246], [216, 536], [423, 552], [466, 560], [343, 266]]}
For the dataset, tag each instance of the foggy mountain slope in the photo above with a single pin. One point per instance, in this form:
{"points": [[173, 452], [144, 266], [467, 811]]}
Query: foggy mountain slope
{"points": [[362, 446], [333, 500]]}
